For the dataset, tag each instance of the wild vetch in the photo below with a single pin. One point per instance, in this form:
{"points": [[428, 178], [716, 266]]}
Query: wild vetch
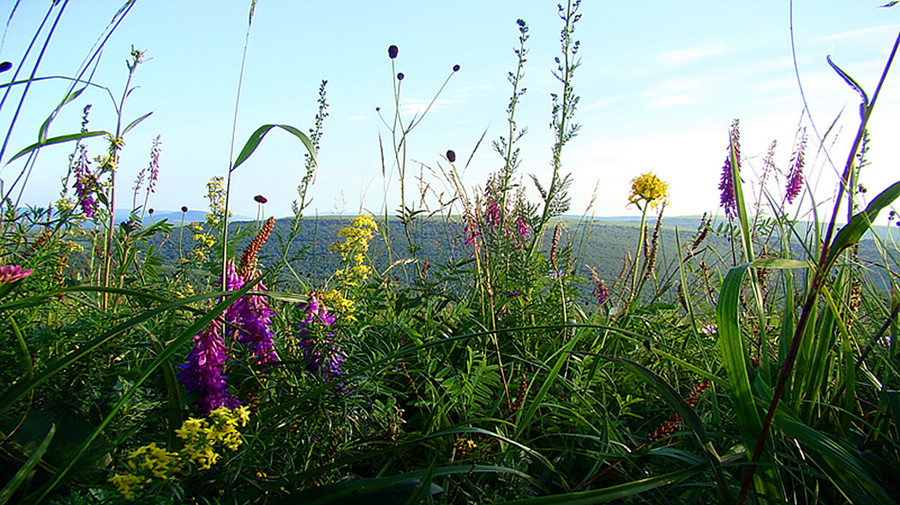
{"points": [[322, 356], [202, 372], [249, 318], [727, 198], [795, 178]]}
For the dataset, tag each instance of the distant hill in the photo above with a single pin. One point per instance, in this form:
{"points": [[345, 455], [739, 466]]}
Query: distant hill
{"points": [[599, 243]]}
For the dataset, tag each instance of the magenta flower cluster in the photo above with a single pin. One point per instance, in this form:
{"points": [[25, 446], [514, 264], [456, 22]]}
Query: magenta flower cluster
{"points": [[322, 355], [85, 184], [201, 374], [248, 320]]}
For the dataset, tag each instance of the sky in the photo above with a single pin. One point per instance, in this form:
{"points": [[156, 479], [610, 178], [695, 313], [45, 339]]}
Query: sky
{"points": [[659, 84]]}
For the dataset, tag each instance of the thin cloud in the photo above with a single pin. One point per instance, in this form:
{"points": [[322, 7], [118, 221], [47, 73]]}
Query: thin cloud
{"points": [[688, 55], [865, 34], [419, 106]]}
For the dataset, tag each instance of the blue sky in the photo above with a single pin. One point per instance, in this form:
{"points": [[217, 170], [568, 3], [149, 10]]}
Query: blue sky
{"points": [[660, 83]]}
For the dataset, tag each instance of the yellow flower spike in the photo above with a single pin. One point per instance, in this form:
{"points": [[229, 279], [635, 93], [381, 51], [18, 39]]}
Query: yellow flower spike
{"points": [[650, 189]]}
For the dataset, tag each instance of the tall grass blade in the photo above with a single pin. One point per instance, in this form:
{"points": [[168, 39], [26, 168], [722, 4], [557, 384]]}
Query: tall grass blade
{"points": [[10, 488]]}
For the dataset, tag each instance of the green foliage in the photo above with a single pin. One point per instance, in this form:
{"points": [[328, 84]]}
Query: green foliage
{"points": [[487, 360]]}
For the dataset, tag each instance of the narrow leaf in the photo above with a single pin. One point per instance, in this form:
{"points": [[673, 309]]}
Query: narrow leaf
{"points": [[20, 476], [257, 136], [56, 140], [135, 123], [860, 223], [849, 80]]}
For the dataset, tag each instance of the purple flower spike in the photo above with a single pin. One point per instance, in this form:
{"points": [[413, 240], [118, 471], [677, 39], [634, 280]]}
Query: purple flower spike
{"points": [[727, 199], [251, 318], [795, 178], [202, 371]]}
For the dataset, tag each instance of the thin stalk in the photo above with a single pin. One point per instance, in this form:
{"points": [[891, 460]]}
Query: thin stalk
{"points": [[237, 106]]}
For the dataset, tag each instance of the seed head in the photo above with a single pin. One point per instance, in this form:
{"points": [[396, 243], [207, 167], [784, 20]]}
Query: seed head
{"points": [[400, 76], [392, 51], [184, 208], [456, 68], [451, 155]]}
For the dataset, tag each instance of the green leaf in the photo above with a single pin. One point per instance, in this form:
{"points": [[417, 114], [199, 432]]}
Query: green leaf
{"points": [[257, 136], [20, 476], [849, 80], [56, 140], [42, 132], [860, 223], [135, 123], [611, 493]]}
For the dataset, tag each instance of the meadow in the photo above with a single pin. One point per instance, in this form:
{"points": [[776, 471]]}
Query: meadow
{"points": [[487, 349]]}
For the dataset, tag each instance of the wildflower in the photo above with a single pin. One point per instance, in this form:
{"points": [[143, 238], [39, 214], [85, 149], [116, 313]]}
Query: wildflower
{"points": [[601, 291], [795, 178], [522, 227], [392, 51], [650, 189], [85, 183], [127, 484], [251, 318], [456, 68], [400, 76], [184, 209], [6, 65], [464, 446], [727, 198], [451, 155], [492, 212], [323, 358], [13, 273], [260, 199], [156, 460], [202, 371]]}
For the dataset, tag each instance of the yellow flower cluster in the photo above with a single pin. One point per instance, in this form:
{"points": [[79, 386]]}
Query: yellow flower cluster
{"points": [[215, 193], [649, 188], [220, 428], [200, 436], [334, 299], [353, 250], [464, 446], [127, 484]]}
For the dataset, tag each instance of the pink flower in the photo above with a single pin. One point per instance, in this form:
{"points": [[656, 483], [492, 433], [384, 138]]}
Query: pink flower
{"points": [[13, 273]]}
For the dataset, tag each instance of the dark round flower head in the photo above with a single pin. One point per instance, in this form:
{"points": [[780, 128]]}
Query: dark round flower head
{"points": [[451, 155], [392, 51], [6, 65], [400, 76], [260, 199], [150, 211], [456, 68], [184, 208]]}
